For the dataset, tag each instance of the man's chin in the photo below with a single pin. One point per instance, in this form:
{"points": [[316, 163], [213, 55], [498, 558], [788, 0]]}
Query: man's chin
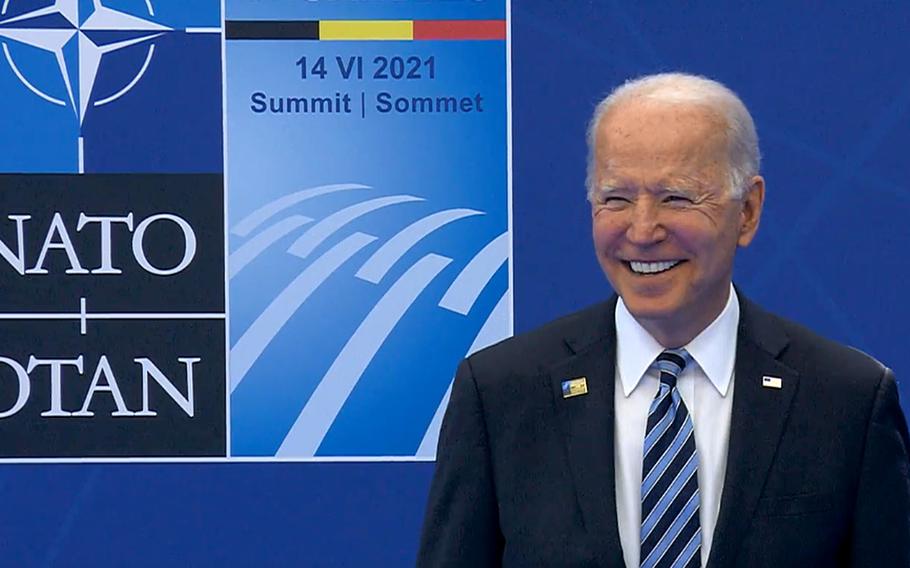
{"points": [[650, 309]]}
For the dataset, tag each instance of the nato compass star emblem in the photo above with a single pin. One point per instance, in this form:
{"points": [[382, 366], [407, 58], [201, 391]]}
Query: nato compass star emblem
{"points": [[79, 34]]}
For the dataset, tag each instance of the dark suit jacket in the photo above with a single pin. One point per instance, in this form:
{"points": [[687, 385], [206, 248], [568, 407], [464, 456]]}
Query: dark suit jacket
{"points": [[817, 471]]}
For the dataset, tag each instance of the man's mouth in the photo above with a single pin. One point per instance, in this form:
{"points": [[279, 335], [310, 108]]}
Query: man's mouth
{"points": [[648, 268]]}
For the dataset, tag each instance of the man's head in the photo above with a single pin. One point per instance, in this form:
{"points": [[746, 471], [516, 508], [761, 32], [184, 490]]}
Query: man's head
{"points": [[674, 188]]}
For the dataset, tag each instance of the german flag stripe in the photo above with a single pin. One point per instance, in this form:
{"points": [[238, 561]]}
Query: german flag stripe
{"points": [[346, 30]]}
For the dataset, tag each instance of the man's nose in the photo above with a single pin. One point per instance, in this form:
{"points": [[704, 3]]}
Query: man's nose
{"points": [[645, 225]]}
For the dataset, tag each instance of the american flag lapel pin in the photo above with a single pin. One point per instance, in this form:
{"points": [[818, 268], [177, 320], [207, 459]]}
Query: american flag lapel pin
{"points": [[771, 382]]}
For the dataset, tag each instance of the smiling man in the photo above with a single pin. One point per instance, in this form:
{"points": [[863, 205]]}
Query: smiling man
{"points": [[677, 424]]}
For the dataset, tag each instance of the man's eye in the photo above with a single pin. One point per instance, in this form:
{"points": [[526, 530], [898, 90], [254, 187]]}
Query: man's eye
{"points": [[613, 201], [678, 200]]}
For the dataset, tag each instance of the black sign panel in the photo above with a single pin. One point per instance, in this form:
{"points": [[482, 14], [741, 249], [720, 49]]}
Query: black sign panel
{"points": [[112, 310]]}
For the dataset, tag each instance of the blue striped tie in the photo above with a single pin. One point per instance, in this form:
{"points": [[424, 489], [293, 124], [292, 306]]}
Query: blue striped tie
{"points": [[670, 529]]}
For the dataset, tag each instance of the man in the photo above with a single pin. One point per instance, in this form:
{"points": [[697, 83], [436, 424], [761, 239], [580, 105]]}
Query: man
{"points": [[678, 424]]}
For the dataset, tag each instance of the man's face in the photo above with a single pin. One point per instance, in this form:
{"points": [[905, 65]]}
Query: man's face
{"points": [[665, 225]]}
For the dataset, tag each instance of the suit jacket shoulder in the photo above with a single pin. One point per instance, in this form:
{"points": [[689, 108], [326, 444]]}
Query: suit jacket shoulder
{"points": [[827, 364], [817, 466]]}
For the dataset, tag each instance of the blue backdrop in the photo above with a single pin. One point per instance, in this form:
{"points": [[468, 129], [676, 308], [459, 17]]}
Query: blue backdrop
{"points": [[829, 91]]}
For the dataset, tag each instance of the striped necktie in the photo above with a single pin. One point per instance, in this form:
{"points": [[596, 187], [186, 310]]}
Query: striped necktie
{"points": [[670, 529]]}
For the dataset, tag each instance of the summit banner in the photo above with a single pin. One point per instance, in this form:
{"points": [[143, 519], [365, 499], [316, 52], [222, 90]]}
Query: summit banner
{"points": [[369, 232]]}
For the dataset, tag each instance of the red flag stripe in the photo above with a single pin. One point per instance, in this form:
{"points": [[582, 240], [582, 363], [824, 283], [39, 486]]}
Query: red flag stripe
{"points": [[459, 29]]}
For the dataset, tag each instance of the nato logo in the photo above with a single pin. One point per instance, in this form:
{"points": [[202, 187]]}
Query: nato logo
{"points": [[115, 86], [351, 307]]}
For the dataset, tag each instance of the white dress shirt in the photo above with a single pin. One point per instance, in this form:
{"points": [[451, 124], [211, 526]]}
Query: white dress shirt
{"points": [[706, 386]]}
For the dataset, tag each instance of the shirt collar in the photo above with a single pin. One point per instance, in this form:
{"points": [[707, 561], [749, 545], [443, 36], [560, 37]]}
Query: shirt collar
{"points": [[714, 349]]}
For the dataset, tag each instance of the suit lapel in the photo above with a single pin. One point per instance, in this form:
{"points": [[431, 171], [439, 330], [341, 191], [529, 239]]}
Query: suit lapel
{"points": [[587, 426], [758, 420]]}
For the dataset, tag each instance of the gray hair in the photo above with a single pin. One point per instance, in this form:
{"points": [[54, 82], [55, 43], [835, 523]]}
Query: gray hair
{"points": [[682, 88]]}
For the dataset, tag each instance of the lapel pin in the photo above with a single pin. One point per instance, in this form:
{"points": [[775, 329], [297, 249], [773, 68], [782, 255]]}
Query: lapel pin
{"points": [[575, 387], [769, 382]]}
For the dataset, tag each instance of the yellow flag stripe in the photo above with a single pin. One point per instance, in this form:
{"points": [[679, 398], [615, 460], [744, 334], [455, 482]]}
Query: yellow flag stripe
{"points": [[366, 29]]}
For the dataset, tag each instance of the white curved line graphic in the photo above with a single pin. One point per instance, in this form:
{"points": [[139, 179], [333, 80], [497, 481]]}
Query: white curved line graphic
{"points": [[322, 230], [430, 440], [246, 225], [257, 337], [463, 292], [5, 6], [378, 265], [148, 4], [131, 84], [323, 407], [32, 88], [497, 327], [256, 245]]}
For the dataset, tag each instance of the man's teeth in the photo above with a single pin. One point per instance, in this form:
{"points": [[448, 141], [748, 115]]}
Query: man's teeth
{"points": [[652, 267]]}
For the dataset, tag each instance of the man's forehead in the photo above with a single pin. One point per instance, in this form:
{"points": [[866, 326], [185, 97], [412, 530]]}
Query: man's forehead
{"points": [[670, 139], [614, 180], [688, 165], [643, 120]]}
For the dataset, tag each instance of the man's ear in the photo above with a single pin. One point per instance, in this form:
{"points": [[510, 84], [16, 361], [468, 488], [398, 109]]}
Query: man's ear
{"points": [[753, 200]]}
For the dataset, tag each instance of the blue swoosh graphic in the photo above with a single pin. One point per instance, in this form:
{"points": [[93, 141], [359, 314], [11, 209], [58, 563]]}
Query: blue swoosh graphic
{"points": [[475, 276], [496, 328], [325, 228], [320, 411], [248, 252], [257, 337], [376, 267], [249, 223]]}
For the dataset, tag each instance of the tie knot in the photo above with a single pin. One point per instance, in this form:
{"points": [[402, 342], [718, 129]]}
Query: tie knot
{"points": [[671, 364]]}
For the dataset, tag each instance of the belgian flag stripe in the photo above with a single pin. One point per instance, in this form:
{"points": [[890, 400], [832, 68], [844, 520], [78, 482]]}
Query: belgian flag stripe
{"points": [[366, 29], [460, 29], [346, 30], [271, 29]]}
